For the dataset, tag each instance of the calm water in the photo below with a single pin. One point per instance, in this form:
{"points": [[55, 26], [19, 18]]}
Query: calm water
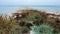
{"points": [[6, 10]]}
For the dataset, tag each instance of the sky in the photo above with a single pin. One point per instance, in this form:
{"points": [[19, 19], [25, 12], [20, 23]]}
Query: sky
{"points": [[29, 2]]}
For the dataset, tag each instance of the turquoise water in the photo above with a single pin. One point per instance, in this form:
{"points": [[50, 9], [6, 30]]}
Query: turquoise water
{"points": [[8, 9]]}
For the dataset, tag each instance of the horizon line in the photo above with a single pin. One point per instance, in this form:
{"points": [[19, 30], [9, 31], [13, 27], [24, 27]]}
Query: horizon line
{"points": [[29, 5]]}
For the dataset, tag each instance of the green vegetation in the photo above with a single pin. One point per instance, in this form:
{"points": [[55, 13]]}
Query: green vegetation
{"points": [[38, 20], [42, 29]]}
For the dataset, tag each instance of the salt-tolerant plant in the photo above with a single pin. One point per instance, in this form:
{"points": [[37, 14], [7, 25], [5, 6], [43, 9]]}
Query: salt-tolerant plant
{"points": [[42, 29]]}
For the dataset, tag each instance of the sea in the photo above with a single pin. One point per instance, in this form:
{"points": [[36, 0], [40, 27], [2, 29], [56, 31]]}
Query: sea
{"points": [[10, 9]]}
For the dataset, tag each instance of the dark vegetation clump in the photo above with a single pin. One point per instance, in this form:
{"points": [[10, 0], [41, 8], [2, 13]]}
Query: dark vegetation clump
{"points": [[26, 19]]}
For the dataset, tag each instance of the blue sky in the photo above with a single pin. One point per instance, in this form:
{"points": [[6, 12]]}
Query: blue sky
{"points": [[29, 2]]}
